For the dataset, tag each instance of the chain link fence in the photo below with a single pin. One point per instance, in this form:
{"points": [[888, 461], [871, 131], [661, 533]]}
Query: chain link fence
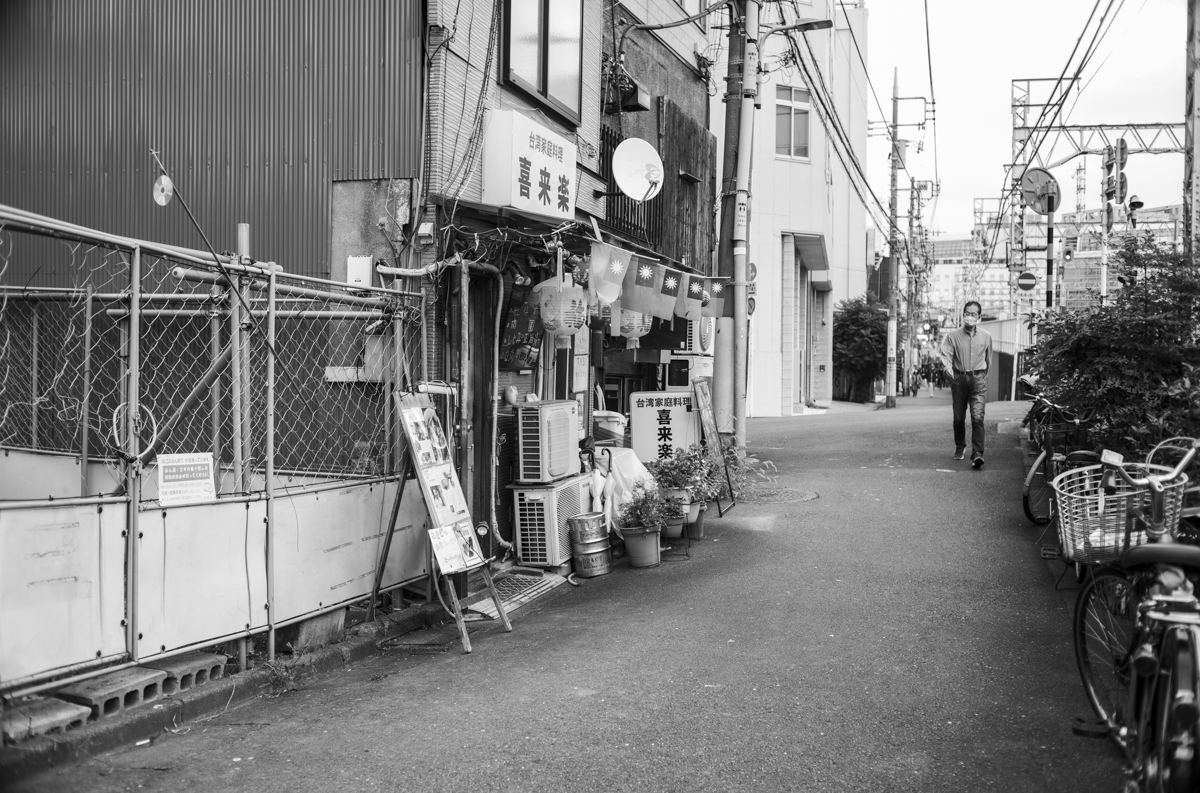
{"points": [[207, 368]]}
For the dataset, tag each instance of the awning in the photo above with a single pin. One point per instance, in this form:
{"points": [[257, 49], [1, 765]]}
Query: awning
{"points": [[811, 250], [821, 283]]}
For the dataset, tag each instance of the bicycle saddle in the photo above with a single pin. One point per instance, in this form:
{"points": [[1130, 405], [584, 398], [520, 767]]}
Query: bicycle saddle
{"points": [[1162, 553]]}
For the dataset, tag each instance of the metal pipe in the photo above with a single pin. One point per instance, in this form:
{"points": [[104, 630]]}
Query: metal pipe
{"points": [[214, 391], [424, 340], [85, 413], [269, 485], [133, 471], [292, 314], [193, 399], [41, 503], [202, 276]]}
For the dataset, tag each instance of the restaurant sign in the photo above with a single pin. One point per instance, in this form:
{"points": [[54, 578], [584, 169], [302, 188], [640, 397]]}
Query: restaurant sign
{"points": [[528, 167]]}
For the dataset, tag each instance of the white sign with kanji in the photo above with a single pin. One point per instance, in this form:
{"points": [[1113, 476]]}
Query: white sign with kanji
{"points": [[661, 422], [528, 167]]}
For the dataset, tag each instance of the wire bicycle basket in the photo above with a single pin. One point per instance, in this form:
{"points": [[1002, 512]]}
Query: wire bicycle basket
{"points": [[1093, 525]]}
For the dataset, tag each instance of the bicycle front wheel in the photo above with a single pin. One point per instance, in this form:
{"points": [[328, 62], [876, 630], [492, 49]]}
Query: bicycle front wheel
{"points": [[1105, 613], [1175, 734], [1037, 493]]}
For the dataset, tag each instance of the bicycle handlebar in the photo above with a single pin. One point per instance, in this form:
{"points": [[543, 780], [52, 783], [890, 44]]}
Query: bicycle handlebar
{"points": [[1153, 481]]}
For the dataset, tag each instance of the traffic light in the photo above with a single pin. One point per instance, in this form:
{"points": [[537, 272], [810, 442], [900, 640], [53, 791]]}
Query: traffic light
{"points": [[1115, 183]]}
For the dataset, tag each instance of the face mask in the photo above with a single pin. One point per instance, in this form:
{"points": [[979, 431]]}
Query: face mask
{"points": [[970, 320]]}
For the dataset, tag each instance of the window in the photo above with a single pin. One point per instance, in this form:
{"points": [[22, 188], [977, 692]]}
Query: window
{"points": [[791, 122], [537, 34]]}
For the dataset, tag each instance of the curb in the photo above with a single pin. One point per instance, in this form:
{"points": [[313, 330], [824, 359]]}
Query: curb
{"points": [[211, 699]]}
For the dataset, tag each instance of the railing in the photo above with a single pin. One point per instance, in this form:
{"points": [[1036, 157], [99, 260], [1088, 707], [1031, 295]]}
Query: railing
{"points": [[115, 351]]}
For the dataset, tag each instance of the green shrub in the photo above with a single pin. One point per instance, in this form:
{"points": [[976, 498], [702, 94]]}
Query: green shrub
{"points": [[860, 328], [1132, 360]]}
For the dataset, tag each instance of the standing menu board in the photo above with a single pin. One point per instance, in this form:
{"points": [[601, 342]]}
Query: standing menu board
{"points": [[702, 388], [450, 533], [521, 338]]}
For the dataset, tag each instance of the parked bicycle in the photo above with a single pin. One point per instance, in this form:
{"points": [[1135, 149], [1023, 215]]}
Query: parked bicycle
{"points": [[1061, 438], [1137, 618]]}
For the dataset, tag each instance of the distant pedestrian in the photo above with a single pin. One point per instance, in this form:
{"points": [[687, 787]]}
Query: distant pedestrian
{"points": [[966, 352]]}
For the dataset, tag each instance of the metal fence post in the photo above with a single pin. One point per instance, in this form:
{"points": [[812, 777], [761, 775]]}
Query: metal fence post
{"points": [[270, 467], [214, 393], [133, 471], [85, 413]]}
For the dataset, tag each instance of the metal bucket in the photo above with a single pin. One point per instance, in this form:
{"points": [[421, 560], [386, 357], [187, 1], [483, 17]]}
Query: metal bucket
{"points": [[587, 527], [592, 558]]}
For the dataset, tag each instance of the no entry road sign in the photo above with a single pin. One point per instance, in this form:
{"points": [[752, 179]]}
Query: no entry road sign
{"points": [[1027, 280]]}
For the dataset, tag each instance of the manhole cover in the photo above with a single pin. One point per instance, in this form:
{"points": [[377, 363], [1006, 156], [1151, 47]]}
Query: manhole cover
{"points": [[781, 495]]}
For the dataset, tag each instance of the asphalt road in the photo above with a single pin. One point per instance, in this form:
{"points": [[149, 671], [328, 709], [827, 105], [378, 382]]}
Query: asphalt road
{"points": [[898, 632]]}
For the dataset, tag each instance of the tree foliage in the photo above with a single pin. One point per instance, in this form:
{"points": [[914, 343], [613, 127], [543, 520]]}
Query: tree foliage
{"points": [[860, 343], [1135, 361]]}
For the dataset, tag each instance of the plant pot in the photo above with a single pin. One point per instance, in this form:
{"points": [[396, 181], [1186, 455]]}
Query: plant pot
{"points": [[695, 529], [641, 545], [693, 511], [674, 527], [684, 496]]}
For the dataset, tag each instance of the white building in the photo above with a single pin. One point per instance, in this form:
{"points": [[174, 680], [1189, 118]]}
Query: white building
{"points": [[808, 227]]}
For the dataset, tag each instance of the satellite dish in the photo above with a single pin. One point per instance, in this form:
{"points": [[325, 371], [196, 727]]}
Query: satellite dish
{"points": [[638, 169], [164, 190]]}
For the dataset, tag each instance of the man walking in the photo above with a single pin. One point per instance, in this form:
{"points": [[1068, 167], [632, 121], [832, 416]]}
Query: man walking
{"points": [[966, 352]]}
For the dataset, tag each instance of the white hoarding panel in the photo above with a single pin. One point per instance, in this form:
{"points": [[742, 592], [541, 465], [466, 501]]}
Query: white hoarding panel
{"points": [[62, 587], [202, 573]]}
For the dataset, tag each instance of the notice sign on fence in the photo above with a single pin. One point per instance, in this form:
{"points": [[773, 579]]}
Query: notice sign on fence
{"points": [[185, 479]]}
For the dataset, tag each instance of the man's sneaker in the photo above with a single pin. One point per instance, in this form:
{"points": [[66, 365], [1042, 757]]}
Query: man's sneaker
{"points": [[959, 454], [977, 463]]}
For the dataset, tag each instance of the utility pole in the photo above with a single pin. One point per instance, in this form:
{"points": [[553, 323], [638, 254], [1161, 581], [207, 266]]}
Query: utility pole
{"points": [[893, 246], [741, 227], [723, 363]]}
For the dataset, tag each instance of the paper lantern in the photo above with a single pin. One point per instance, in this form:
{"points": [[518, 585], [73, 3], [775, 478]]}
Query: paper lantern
{"points": [[563, 309], [634, 325]]}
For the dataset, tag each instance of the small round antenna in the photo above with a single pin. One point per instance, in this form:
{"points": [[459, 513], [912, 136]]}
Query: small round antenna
{"points": [[164, 190], [637, 169]]}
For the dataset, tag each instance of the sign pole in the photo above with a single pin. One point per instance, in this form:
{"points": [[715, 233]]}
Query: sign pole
{"points": [[1051, 285]]}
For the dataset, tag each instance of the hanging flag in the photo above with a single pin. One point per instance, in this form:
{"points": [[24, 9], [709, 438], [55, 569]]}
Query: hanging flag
{"points": [[639, 292], [687, 305], [668, 292], [716, 288], [607, 271]]}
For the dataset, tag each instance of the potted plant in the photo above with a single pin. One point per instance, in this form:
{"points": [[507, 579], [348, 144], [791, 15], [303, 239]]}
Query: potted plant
{"points": [[640, 519], [688, 475]]}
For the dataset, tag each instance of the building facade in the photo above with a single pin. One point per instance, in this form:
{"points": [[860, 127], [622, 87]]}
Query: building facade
{"points": [[808, 226]]}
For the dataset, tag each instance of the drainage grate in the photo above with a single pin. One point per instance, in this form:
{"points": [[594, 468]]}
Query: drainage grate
{"points": [[515, 591], [780, 495]]}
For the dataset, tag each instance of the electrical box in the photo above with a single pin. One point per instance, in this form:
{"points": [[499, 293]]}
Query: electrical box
{"points": [[358, 270], [377, 359]]}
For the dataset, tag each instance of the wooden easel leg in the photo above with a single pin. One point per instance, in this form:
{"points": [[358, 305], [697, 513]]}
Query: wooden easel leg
{"points": [[458, 615], [487, 576]]}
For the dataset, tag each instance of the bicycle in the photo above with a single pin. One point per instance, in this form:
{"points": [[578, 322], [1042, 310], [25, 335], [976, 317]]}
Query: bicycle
{"points": [[1061, 440], [1137, 619]]}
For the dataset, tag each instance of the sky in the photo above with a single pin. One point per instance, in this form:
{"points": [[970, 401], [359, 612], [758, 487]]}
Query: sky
{"points": [[978, 49]]}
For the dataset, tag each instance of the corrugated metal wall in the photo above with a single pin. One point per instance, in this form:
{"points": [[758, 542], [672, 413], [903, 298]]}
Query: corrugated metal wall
{"points": [[255, 106]]}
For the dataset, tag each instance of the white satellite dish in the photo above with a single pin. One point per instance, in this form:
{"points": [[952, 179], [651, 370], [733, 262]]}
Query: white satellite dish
{"points": [[638, 169]]}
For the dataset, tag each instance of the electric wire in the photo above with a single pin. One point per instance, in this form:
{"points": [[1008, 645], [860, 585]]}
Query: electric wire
{"points": [[839, 139], [1006, 195], [937, 180]]}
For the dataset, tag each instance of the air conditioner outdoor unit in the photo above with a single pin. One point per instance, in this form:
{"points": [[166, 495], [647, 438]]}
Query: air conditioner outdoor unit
{"points": [[701, 337], [540, 516], [547, 440]]}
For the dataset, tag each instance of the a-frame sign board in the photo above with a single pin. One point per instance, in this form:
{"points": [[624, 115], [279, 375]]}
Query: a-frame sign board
{"points": [[702, 389], [455, 548]]}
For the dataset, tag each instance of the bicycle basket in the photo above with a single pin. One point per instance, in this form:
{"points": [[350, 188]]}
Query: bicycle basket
{"points": [[1065, 436], [1091, 524]]}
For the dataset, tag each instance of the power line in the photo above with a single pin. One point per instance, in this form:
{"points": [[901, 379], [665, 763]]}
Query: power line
{"points": [[932, 102]]}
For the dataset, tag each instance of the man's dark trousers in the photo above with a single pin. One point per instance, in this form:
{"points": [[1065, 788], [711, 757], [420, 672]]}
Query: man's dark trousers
{"points": [[969, 389]]}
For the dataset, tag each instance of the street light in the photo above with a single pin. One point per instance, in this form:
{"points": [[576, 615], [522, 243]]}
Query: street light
{"points": [[741, 212]]}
